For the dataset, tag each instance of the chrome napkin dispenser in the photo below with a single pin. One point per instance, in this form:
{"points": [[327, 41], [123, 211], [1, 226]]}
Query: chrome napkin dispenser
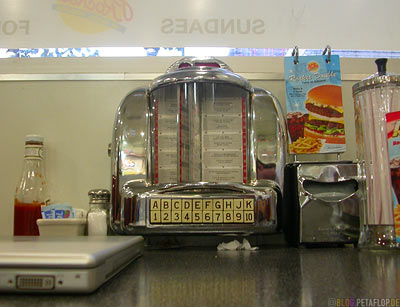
{"points": [[323, 205], [198, 151]]}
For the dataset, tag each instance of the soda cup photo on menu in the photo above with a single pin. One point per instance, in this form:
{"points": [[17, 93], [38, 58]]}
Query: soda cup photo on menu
{"points": [[296, 121]]}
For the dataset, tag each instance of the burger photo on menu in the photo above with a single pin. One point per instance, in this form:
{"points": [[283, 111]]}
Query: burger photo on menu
{"points": [[325, 109]]}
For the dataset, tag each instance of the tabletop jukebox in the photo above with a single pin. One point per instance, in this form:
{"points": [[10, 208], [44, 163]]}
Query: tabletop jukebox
{"points": [[198, 151]]}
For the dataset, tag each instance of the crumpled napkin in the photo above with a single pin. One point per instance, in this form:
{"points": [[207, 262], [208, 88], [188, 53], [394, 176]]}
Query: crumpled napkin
{"points": [[236, 245]]}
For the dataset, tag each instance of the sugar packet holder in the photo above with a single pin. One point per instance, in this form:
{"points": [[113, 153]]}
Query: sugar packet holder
{"points": [[57, 211]]}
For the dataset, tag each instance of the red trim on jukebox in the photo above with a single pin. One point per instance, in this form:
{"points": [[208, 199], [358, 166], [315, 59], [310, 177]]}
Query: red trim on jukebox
{"points": [[156, 177], [180, 134], [244, 140]]}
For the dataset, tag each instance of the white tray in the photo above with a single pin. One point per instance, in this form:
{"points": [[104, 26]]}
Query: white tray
{"points": [[62, 227]]}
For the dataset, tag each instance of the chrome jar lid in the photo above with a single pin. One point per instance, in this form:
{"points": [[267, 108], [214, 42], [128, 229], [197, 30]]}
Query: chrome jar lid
{"points": [[381, 78]]}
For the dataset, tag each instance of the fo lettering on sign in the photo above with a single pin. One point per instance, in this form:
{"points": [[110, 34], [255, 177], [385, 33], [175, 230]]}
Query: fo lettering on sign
{"points": [[12, 27]]}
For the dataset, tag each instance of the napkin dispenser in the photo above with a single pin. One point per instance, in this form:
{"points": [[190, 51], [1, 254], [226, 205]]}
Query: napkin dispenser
{"points": [[322, 206]]}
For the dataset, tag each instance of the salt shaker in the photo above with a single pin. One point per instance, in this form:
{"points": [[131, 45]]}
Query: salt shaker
{"points": [[97, 217]]}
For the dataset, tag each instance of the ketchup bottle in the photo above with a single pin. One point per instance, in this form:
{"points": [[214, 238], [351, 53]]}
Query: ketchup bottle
{"points": [[31, 191]]}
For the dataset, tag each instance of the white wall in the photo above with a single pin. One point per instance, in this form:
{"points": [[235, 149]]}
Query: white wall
{"points": [[76, 116]]}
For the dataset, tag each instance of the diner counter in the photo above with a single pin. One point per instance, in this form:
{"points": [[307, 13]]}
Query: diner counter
{"points": [[271, 276]]}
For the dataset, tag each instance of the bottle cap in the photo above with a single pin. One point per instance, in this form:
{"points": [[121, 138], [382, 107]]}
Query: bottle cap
{"points": [[35, 138]]}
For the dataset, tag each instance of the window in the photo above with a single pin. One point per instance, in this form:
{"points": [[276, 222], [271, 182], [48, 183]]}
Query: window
{"points": [[188, 51]]}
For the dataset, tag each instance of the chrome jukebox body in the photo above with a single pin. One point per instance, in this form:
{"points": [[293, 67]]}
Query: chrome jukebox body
{"points": [[198, 151]]}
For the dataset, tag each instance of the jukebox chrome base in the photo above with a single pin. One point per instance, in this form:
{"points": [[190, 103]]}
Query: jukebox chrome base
{"points": [[197, 208]]}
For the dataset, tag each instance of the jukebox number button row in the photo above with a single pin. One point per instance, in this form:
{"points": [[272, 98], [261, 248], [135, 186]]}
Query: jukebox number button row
{"points": [[205, 211]]}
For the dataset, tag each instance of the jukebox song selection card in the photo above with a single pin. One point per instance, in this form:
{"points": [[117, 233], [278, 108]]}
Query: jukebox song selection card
{"points": [[393, 131], [223, 149], [166, 141], [314, 104]]}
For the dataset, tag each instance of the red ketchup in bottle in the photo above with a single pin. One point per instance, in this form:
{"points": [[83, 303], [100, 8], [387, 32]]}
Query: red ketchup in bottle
{"points": [[31, 191]]}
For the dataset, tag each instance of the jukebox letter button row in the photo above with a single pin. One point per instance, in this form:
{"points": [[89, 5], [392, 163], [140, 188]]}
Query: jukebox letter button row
{"points": [[202, 211]]}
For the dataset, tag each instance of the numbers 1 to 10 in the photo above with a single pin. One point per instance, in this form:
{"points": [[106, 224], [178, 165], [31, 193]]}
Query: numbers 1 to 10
{"points": [[201, 217]]}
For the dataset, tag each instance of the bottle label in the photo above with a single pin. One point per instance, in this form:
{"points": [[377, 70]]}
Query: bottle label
{"points": [[33, 152]]}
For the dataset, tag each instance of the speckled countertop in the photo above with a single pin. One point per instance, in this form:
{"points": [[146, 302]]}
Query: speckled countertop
{"points": [[271, 276]]}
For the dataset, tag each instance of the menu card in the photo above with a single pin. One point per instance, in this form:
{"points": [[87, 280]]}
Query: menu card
{"points": [[314, 104], [393, 130]]}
